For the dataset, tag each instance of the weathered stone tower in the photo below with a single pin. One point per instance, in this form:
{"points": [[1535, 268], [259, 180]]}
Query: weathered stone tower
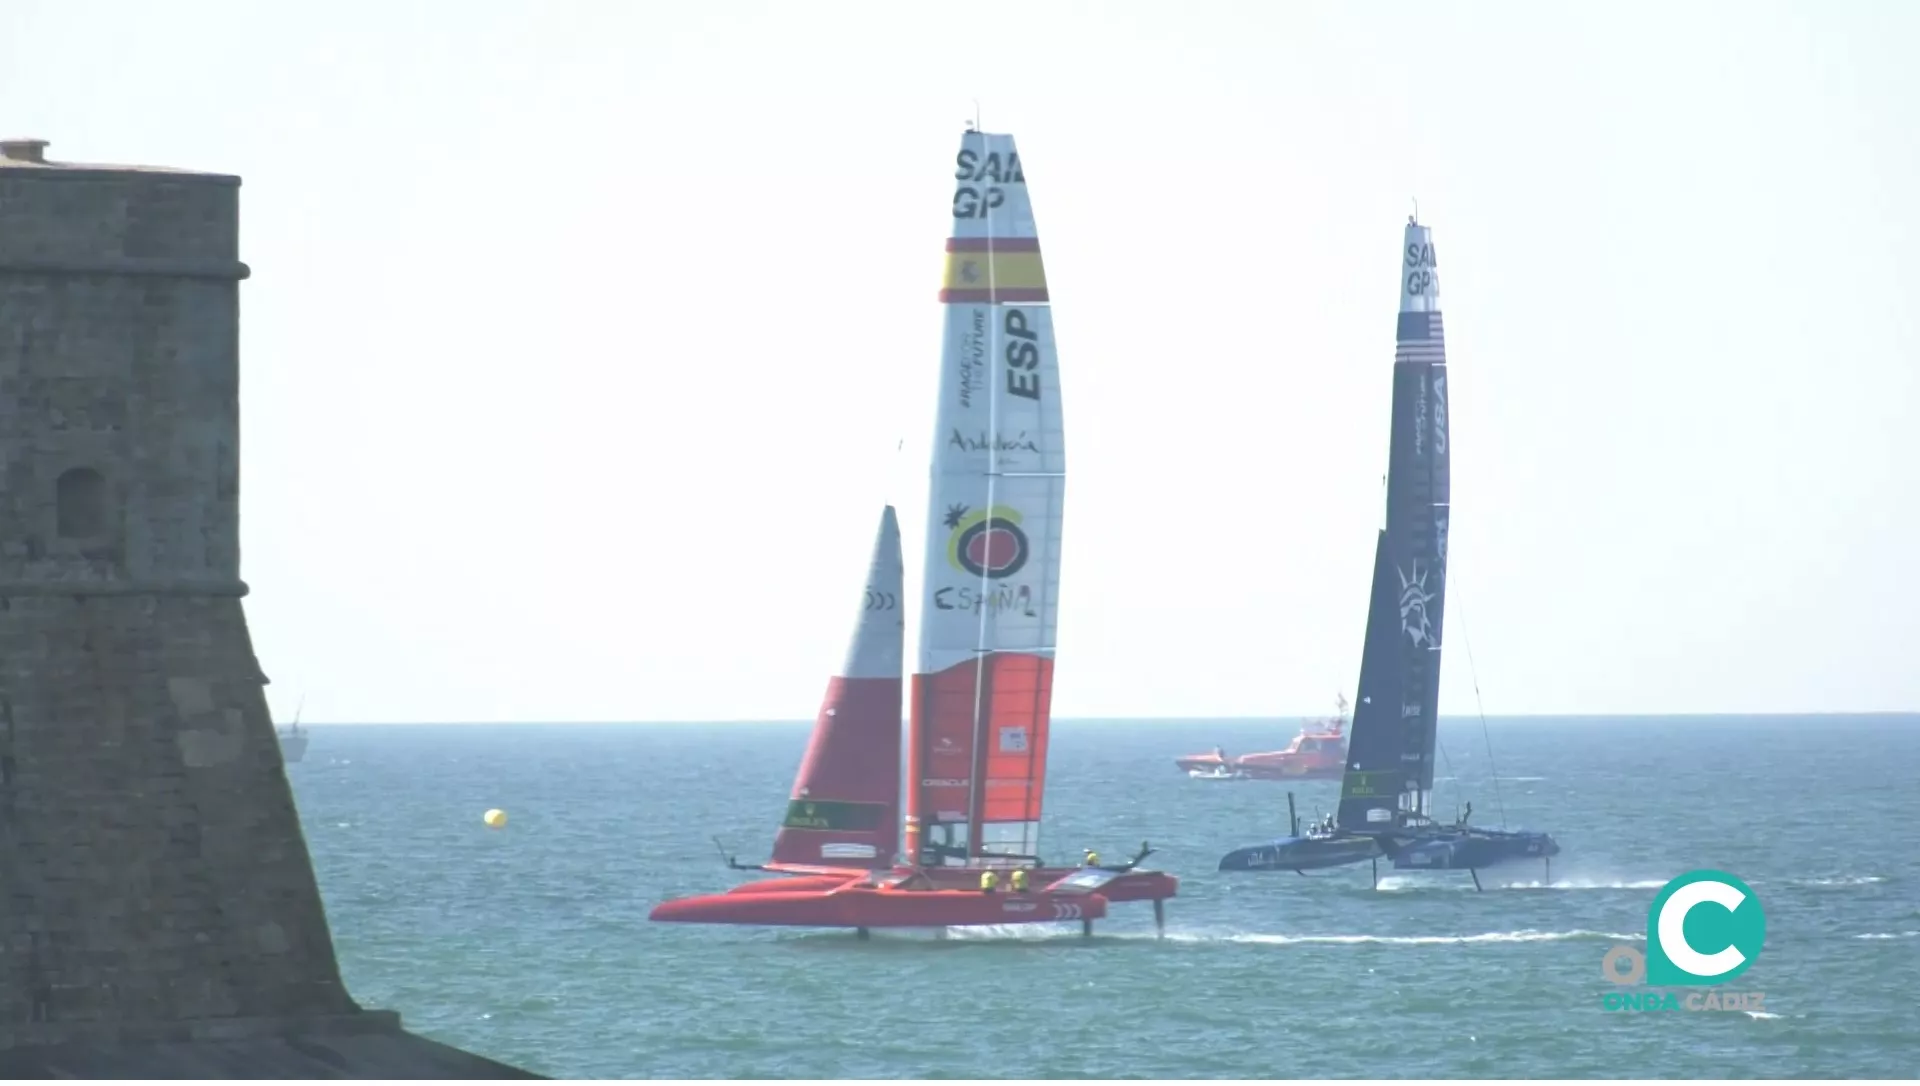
{"points": [[155, 887]]}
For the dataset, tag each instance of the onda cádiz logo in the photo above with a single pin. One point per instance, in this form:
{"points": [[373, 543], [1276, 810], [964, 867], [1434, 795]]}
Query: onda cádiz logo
{"points": [[1703, 929]]}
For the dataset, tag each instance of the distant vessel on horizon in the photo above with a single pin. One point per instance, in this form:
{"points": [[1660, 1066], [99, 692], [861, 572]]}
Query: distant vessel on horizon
{"points": [[293, 738], [1318, 753]]}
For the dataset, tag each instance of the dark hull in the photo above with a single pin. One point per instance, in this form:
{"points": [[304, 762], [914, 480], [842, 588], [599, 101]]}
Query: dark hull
{"points": [[1302, 854], [1440, 850], [1455, 850]]}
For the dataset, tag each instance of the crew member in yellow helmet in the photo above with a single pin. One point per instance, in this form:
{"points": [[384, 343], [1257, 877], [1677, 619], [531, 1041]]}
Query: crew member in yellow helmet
{"points": [[1092, 859], [988, 881], [1019, 880]]}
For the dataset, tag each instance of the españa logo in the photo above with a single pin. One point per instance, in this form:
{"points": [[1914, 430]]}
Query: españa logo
{"points": [[1704, 928], [986, 543]]}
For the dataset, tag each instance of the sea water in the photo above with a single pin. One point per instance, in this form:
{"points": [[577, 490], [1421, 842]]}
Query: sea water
{"points": [[530, 944]]}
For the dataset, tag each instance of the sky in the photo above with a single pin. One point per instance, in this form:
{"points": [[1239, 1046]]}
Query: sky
{"points": [[585, 340]]}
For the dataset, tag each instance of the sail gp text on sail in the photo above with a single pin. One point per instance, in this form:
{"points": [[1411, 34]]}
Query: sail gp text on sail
{"points": [[982, 179]]}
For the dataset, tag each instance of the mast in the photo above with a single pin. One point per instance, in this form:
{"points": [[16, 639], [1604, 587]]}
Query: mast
{"points": [[845, 806], [1393, 738], [982, 693], [1423, 503]]}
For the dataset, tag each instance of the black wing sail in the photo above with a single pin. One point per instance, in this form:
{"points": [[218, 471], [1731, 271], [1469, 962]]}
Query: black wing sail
{"points": [[1405, 709], [1418, 493], [1375, 775]]}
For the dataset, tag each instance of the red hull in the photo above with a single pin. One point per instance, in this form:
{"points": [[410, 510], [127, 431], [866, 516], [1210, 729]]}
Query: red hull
{"points": [[854, 904], [1326, 763], [1283, 766], [799, 884], [1318, 753], [1122, 888], [1132, 886], [949, 897]]}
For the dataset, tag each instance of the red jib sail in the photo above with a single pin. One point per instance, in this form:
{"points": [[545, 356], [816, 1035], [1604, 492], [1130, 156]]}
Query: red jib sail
{"points": [[983, 690], [845, 808]]}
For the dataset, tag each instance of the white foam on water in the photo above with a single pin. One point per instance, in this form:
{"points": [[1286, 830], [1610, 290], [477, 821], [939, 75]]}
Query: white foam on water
{"points": [[1843, 880], [1398, 884], [1023, 932], [1585, 884], [1492, 937], [1070, 931], [912, 935]]}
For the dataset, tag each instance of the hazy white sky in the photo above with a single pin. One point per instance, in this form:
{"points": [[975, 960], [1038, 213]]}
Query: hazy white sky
{"points": [[581, 336]]}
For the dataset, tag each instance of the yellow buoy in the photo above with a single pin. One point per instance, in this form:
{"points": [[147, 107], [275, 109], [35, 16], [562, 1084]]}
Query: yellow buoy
{"points": [[495, 818]]}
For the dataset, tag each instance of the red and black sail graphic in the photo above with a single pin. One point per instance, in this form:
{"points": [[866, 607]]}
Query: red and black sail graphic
{"points": [[845, 806]]}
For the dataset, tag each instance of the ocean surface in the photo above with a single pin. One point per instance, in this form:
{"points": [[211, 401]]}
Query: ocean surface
{"points": [[531, 944]]}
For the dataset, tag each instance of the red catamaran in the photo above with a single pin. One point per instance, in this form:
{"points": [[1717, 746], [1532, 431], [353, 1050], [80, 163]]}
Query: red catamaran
{"points": [[982, 691], [835, 850]]}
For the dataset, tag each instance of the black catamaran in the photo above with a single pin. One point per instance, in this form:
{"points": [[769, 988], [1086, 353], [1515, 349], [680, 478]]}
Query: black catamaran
{"points": [[1387, 792]]}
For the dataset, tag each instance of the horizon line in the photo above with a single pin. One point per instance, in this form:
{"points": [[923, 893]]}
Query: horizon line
{"points": [[1308, 718]]}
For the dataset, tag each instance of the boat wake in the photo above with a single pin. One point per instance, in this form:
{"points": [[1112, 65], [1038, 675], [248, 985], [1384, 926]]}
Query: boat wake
{"points": [[1525, 936], [1026, 933], [1847, 880], [1070, 934], [1401, 884], [1586, 884], [1068, 931]]}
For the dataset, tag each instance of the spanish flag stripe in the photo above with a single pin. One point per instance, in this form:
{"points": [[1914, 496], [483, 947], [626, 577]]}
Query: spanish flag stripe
{"points": [[984, 296], [1002, 271], [998, 245]]}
